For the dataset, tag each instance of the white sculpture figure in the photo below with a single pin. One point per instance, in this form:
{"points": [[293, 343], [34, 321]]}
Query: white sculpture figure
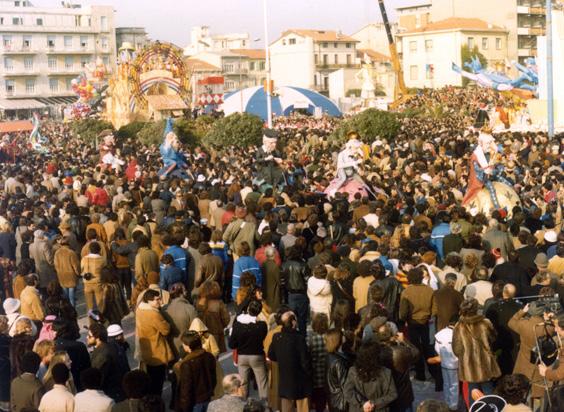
{"points": [[107, 148], [365, 76]]}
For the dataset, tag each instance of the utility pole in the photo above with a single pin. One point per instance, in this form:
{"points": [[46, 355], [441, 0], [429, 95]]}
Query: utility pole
{"points": [[268, 91], [549, 70]]}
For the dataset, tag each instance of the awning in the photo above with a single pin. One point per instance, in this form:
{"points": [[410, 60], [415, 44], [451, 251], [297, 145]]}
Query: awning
{"points": [[6, 104], [53, 101], [15, 126], [166, 102]]}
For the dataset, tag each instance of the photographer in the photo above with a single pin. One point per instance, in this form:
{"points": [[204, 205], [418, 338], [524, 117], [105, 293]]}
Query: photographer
{"points": [[557, 374], [523, 323]]}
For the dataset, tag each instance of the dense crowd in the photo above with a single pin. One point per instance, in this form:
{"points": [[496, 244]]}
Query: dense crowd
{"points": [[324, 303]]}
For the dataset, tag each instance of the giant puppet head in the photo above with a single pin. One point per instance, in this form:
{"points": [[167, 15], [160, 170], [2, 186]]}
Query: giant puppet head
{"points": [[107, 137], [269, 140], [487, 142], [353, 145], [171, 140]]}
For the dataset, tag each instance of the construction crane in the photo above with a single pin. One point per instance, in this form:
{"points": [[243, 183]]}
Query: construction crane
{"points": [[400, 89]]}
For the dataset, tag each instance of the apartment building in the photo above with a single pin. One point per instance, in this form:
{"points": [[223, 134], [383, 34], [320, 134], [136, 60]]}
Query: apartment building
{"points": [[305, 57], [43, 49], [135, 36], [202, 40]]}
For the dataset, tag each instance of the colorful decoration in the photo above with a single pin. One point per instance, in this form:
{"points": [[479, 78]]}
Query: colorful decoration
{"points": [[37, 141], [89, 86], [498, 81], [174, 162]]}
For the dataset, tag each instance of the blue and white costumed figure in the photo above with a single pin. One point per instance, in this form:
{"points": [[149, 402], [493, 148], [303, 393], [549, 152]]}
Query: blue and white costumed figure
{"points": [[174, 162], [37, 141]]}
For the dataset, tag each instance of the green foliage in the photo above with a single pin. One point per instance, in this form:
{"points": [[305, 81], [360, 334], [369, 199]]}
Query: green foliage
{"points": [[188, 131], [466, 55], [369, 124], [203, 125], [151, 133], [353, 93], [129, 131], [88, 129], [240, 130]]}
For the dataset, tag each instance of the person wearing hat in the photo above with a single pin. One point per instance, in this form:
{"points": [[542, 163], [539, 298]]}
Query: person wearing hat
{"points": [[269, 159], [104, 358], [116, 339]]}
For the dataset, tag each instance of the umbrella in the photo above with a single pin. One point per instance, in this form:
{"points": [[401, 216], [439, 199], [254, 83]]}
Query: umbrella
{"points": [[285, 99]]}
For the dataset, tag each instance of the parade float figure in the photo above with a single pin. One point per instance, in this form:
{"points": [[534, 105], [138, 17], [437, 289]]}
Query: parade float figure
{"points": [[269, 161], [174, 162], [348, 179], [366, 77], [484, 171], [108, 159], [37, 141]]}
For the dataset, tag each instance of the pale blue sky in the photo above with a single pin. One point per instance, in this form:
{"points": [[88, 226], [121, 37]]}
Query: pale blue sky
{"points": [[171, 20]]}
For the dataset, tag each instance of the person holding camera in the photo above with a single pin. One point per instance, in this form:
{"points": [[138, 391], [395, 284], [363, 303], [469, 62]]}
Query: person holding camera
{"points": [[555, 374], [91, 267]]}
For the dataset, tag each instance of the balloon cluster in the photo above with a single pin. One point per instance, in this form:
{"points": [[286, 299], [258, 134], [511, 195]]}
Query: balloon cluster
{"points": [[80, 110], [84, 89]]}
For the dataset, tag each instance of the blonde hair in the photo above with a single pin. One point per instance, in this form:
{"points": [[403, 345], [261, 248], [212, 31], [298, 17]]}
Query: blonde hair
{"points": [[23, 325], [44, 347], [58, 357]]}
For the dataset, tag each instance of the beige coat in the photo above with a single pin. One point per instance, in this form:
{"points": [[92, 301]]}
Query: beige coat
{"points": [[151, 329], [67, 266], [31, 305]]}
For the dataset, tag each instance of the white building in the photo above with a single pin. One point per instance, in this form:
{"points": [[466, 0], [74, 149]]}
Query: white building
{"points": [[43, 49], [305, 58], [136, 36], [240, 68], [373, 36], [201, 40], [428, 52]]}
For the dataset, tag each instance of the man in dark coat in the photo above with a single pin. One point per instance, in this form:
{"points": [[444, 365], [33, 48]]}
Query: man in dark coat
{"points": [[446, 301], [78, 354], [196, 376], [507, 340], [289, 349], [104, 358], [512, 272], [268, 159]]}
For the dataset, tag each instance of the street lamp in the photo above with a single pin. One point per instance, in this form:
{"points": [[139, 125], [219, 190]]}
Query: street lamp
{"points": [[268, 97]]}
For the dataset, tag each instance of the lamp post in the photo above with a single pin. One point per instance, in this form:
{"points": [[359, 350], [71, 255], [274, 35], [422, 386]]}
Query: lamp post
{"points": [[268, 97], [549, 70]]}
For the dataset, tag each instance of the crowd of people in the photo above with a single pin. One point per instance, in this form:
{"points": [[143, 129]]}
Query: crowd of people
{"points": [[324, 303]]}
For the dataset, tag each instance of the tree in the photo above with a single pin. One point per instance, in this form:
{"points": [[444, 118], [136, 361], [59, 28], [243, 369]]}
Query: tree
{"points": [[88, 129], [466, 55], [240, 130], [370, 124]]}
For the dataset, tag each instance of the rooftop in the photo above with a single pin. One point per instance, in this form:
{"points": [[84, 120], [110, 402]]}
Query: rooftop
{"points": [[320, 35], [166, 102], [457, 23], [200, 66], [415, 6], [250, 53], [373, 54]]}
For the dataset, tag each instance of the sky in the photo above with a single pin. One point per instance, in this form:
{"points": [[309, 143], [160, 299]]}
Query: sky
{"points": [[171, 20]]}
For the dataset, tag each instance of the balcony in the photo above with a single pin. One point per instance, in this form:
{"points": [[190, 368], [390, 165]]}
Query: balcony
{"points": [[321, 66], [81, 50], [20, 73], [65, 71], [19, 50]]}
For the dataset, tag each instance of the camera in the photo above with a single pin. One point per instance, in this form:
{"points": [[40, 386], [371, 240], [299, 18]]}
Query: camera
{"points": [[88, 276], [548, 304]]}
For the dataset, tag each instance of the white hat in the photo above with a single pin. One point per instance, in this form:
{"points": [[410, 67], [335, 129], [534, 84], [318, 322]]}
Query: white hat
{"points": [[485, 138], [38, 233], [215, 181], [204, 221], [551, 236], [114, 330], [201, 178], [426, 177], [11, 305]]}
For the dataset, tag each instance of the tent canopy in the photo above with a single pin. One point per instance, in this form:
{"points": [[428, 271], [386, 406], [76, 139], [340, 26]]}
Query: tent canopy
{"points": [[285, 99]]}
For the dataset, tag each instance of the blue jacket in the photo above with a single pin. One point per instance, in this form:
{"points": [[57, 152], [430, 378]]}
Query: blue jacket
{"points": [[170, 275], [437, 236], [181, 259], [245, 264]]}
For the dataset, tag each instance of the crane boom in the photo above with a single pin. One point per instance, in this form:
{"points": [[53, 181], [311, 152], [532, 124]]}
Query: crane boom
{"points": [[400, 84]]}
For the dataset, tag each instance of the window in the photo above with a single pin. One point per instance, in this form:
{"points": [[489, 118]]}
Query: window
{"points": [[430, 71], [291, 41], [324, 45], [252, 66], [77, 21], [413, 46], [498, 43], [335, 45], [84, 60], [52, 63], [26, 42], [51, 42], [485, 43], [413, 75], [17, 21], [39, 22], [8, 63], [54, 85], [428, 46], [349, 59], [105, 43], [2, 20], [10, 87], [28, 63], [314, 80], [325, 59], [68, 83], [7, 42], [104, 23], [69, 62], [316, 58], [106, 60], [336, 59], [262, 65], [348, 45], [83, 42], [243, 43], [16, 4], [68, 42], [30, 86], [470, 42]]}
